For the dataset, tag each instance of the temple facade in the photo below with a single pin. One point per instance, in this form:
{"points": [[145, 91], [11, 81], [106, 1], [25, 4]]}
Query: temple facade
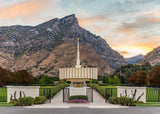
{"points": [[78, 73]]}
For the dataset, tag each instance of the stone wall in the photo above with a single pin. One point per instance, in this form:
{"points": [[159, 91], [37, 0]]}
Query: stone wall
{"points": [[77, 91], [130, 92], [32, 91]]}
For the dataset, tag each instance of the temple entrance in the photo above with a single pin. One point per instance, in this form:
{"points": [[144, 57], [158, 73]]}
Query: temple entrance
{"points": [[70, 91]]}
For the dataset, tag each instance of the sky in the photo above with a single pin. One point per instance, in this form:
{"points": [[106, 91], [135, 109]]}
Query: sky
{"points": [[130, 27]]}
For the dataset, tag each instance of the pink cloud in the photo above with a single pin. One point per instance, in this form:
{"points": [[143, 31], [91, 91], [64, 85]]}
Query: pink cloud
{"points": [[23, 9]]}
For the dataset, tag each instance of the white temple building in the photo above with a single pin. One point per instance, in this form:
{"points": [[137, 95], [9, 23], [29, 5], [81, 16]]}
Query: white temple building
{"points": [[78, 73]]}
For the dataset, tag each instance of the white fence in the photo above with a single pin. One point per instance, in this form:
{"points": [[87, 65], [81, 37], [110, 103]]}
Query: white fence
{"points": [[130, 91], [32, 91]]}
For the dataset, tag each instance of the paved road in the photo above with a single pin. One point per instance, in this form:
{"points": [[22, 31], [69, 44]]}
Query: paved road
{"points": [[132, 110]]}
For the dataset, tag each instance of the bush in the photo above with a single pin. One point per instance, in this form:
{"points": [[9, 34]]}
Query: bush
{"points": [[40, 100], [25, 101], [44, 91], [126, 101], [97, 88], [87, 82], [139, 102], [84, 97], [114, 100], [69, 82]]}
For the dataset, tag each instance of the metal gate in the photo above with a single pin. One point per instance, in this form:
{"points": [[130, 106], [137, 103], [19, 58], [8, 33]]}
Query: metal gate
{"points": [[66, 94], [110, 92], [153, 94], [89, 93]]}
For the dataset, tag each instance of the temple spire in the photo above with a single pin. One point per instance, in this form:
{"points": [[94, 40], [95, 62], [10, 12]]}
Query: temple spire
{"points": [[78, 57]]}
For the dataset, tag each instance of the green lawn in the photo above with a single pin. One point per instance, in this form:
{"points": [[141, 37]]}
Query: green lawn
{"points": [[6, 104], [3, 94], [152, 95], [108, 86], [149, 104]]}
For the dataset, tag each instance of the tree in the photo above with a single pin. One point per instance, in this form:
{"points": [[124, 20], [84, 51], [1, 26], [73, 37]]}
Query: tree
{"points": [[5, 76], [110, 81], [116, 80], [154, 76], [138, 78], [24, 77], [106, 79], [142, 78], [128, 74], [1, 83]]}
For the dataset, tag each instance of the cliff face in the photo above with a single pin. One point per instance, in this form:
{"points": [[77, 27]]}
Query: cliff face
{"points": [[42, 49], [153, 57]]}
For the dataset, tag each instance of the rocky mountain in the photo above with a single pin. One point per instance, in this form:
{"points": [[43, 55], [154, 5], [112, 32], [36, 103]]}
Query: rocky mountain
{"points": [[42, 49], [134, 59], [153, 57]]}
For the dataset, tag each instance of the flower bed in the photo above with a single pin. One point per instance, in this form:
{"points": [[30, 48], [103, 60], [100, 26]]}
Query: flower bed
{"points": [[77, 101]]}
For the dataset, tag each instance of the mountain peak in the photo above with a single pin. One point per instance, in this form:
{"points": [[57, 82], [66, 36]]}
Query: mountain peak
{"points": [[37, 45], [70, 19]]}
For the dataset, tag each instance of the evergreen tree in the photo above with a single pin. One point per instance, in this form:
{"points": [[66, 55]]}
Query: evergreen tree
{"points": [[116, 80]]}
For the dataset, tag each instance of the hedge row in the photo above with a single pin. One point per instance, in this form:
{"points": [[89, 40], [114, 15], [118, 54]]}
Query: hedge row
{"points": [[49, 92], [84, 97], [27, 101], [40, 100], [98, 88]]}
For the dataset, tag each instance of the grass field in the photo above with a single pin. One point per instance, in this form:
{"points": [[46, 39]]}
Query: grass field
{"points": [[149, 104], [3, 94], [108, 86], [153, 95], [6, 104], [112, 90]]}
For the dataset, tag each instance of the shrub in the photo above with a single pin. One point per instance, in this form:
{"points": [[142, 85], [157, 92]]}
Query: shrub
{"points": [[114, 100], [44, 91], [139, 102], [98, 88], [126, 101], [25, 101], [84, 97], [87, 82], [40, 100], [69, 82]]}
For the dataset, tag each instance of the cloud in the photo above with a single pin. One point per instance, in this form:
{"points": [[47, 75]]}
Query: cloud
{"points": [[26, 8], [96, 24], [150, 20], [153, 13], [124, 53]]}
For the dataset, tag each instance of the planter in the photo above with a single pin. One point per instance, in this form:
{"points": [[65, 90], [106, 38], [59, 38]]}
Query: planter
{"points": [[78, 101]]}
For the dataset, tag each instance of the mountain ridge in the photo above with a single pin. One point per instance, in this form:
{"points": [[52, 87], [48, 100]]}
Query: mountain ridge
{"points": [[153, 57], [18, 43], [134, 59]]}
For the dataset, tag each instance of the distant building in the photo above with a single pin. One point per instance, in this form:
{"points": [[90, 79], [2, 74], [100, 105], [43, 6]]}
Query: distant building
{"points": [[78, 73]]}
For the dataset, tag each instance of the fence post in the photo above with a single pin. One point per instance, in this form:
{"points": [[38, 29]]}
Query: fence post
{"points": [[106, 95], [63, 94], [50, 94], [92, 94], [158, 95]]}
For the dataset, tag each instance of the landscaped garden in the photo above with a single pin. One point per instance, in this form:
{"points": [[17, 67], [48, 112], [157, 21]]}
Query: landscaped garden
{"points": [[78, 99]]}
